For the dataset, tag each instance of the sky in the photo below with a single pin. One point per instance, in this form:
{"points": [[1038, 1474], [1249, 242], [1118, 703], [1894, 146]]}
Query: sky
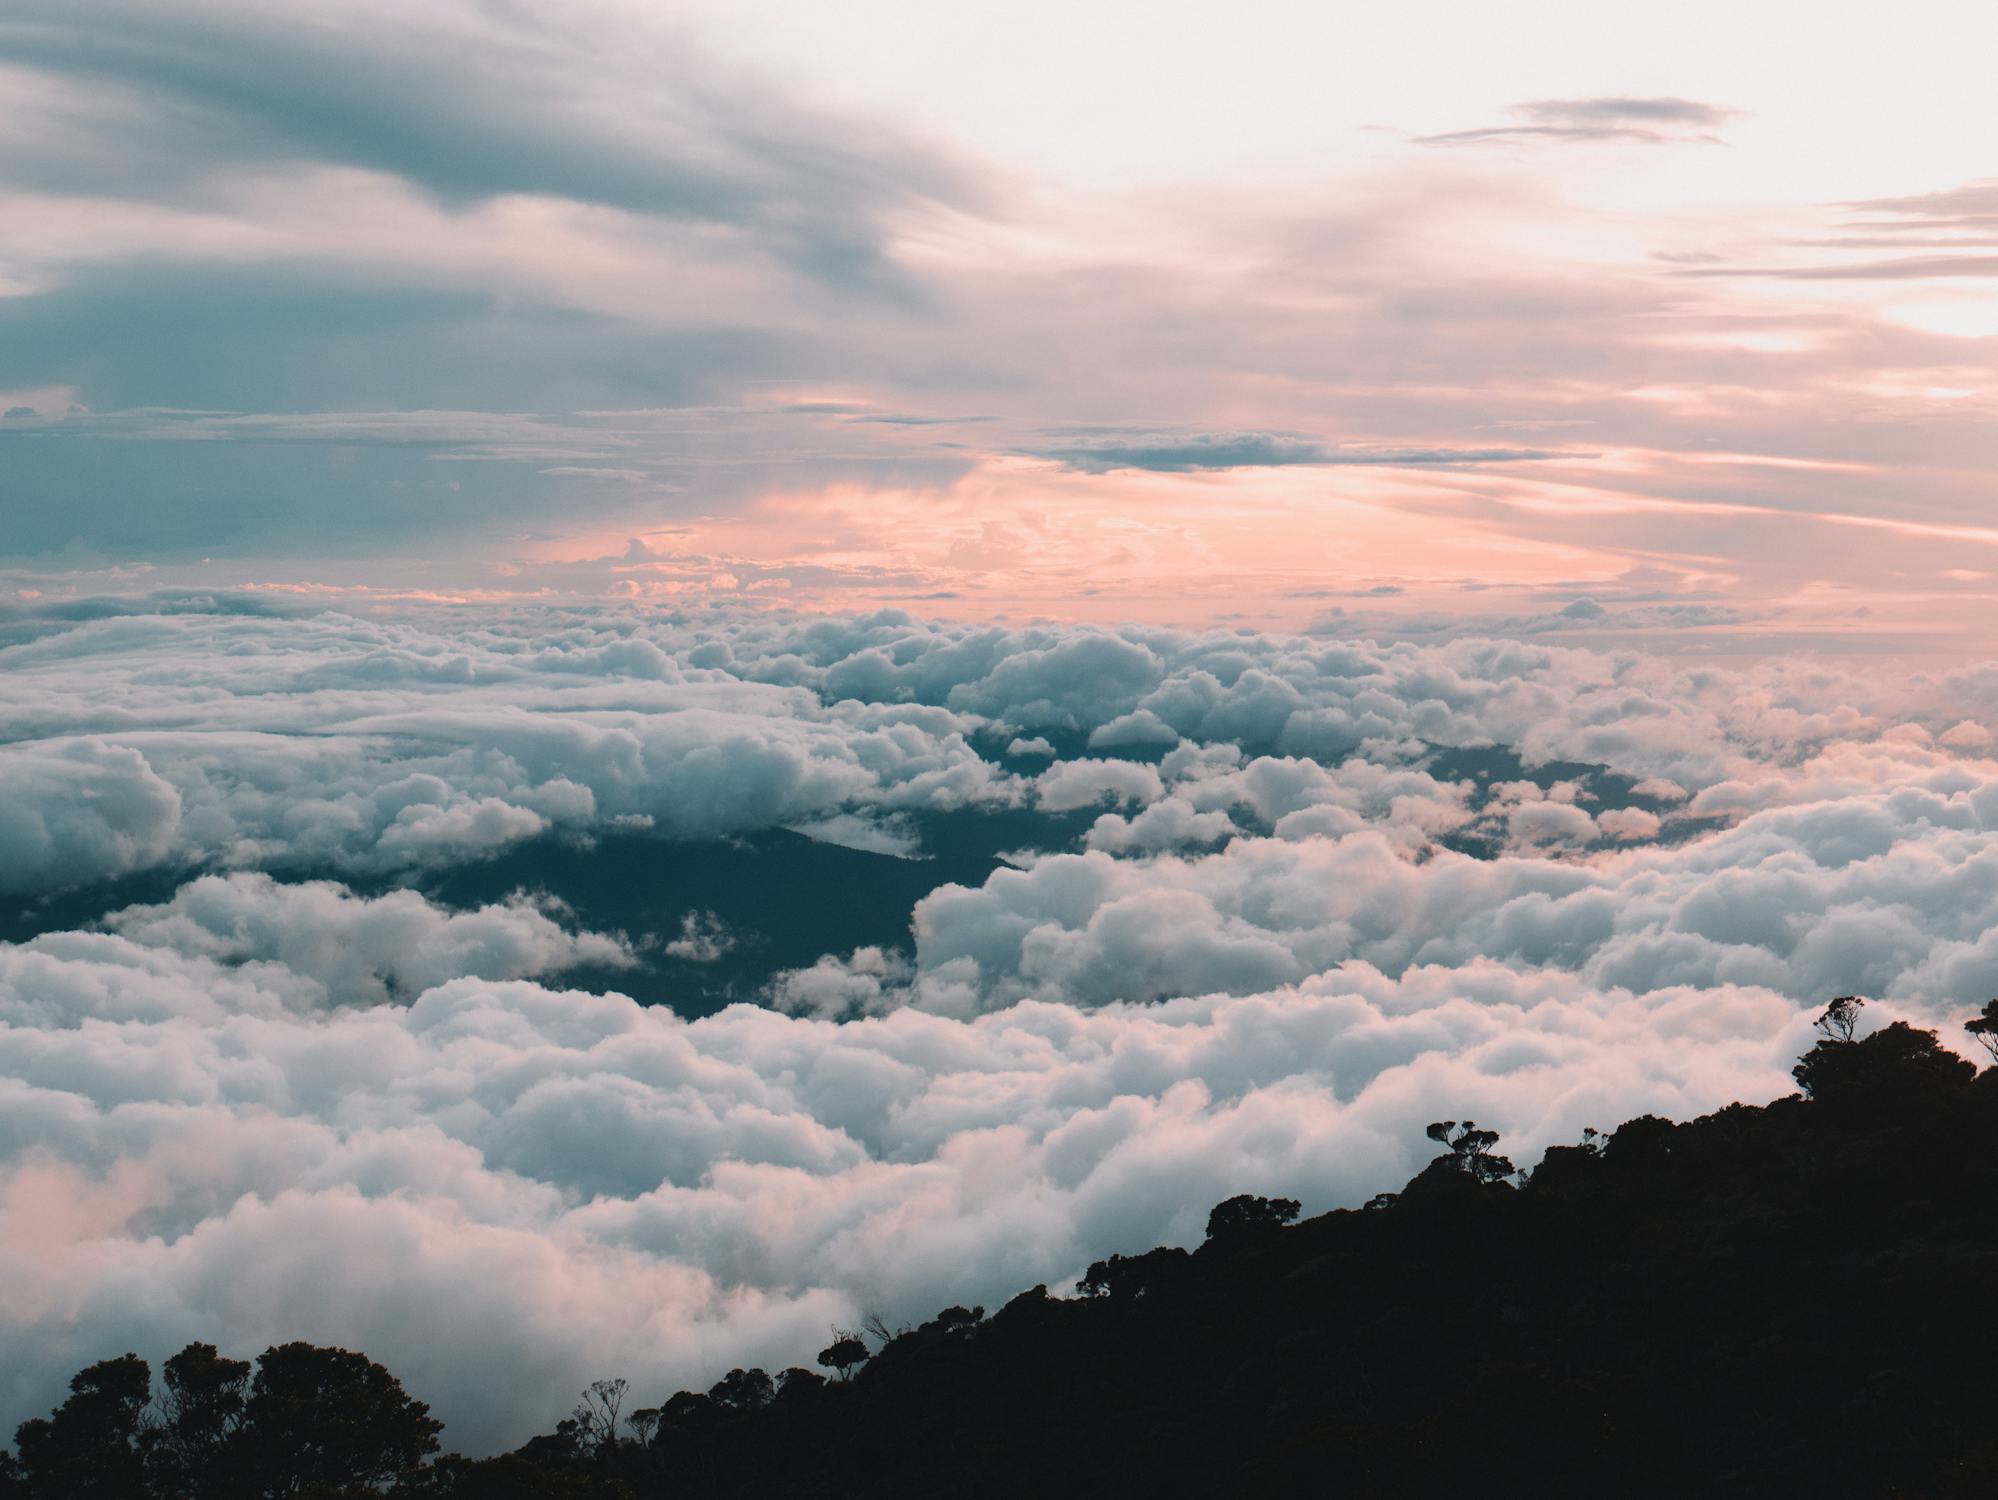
{"points": [[1027, 310], [673, 675]]}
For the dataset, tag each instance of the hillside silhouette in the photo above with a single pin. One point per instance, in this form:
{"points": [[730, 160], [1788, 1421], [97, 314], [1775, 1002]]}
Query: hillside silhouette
{"points": [[1798, 1298]]}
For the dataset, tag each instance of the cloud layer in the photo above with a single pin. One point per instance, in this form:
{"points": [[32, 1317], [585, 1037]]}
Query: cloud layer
{"points": [[196, 732], [1284, 900], [1890, 892], [501, 1176], [400, 741]]}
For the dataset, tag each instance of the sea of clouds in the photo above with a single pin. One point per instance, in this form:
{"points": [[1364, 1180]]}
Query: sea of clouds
{"points": [[298, 1098]]}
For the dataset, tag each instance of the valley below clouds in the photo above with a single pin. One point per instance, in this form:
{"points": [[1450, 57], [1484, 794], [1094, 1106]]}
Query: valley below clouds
{"points": [[314, 1025]]}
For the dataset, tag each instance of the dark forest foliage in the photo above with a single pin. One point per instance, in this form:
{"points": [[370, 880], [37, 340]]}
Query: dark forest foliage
{"points": [[1795, 1299]]}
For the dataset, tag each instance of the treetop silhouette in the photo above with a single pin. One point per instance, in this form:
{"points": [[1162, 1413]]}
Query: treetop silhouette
{"points": [[1983, 1028]]}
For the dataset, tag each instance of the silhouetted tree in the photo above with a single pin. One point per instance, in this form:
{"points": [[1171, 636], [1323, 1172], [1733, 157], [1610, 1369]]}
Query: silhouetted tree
{"points": [[86, 1449], [875, 1327], [561, 1445], [328, 1422], [797, 1383], [1984, 1028], [1841, 1018], [1470, 1151], [686, 1414], [845, 1354], [743, 1390], [1246, 1213], [1898, 1062], [596, 1414], [1640, 1143], [1134, 1275], [189, 1449]]}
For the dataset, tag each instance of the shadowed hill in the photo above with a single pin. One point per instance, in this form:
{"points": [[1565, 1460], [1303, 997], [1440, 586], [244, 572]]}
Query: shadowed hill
{"points": [[1796, 1298]]}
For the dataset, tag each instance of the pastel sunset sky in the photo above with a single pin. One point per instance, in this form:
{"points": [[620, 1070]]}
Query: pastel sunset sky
{"points": [[1296, 315]]}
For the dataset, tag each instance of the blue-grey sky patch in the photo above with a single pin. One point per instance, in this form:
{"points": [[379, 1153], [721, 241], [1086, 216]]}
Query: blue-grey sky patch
{"points": [[1189, 452], [1583, 619], [1376, 591], [320, 338]]}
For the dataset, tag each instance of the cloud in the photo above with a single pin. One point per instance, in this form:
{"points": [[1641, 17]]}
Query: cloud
{"points": [[283, 455], [470, 104], [1646, 121], [1840, 890], [703, 939], [1189, 452], [420, 236], [1908, 268], [1376, 591], [1966, 214], [1582, 617], [247, 945], [255, 732], [1071, 784], [82, 806], [1951, 225], [568, 1184], [365, 950], [1628, 823], [330, 741]]}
